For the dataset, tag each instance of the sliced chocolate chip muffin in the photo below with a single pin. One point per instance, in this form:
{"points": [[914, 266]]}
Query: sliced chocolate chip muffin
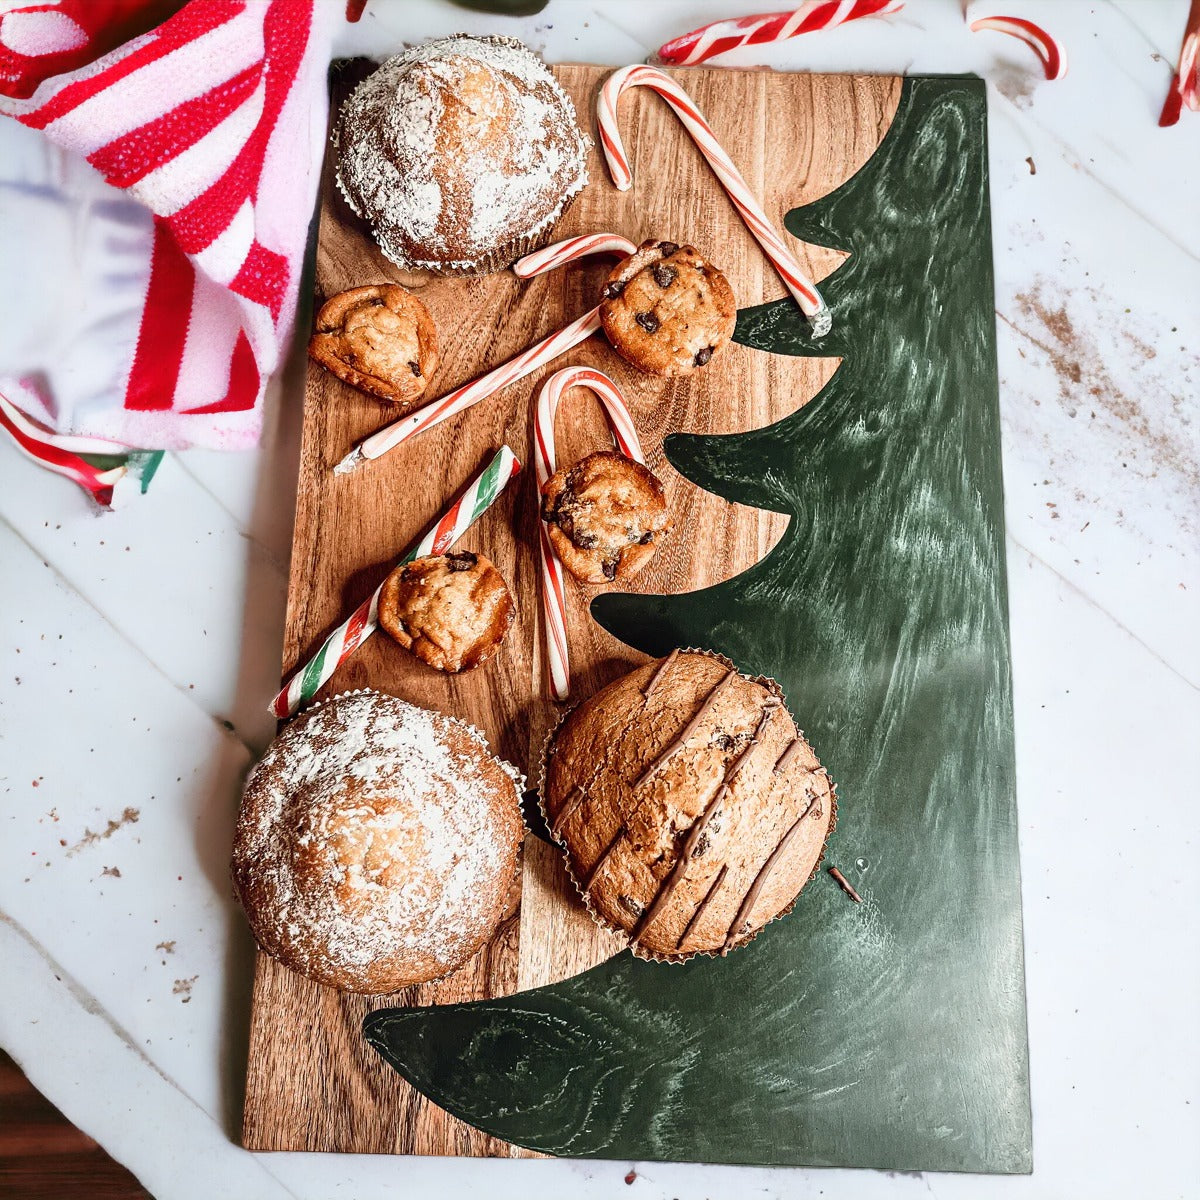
{"points": [[451, 610], [667, 310], [606, 516], [690, 808]]}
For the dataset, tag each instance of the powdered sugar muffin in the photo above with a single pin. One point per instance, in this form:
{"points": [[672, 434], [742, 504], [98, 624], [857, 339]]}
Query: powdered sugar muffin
{"points": [[460, 154], [376, 844]]}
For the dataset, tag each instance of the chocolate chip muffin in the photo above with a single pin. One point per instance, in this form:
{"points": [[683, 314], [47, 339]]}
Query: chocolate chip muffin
{"points": [[379, 339], [690, 808], [605, 516], [377, 843], [666, 310], [451, 610]]}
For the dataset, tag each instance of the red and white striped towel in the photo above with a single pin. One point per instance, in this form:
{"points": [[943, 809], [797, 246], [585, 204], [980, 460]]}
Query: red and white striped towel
{"points": [[214, 121]]}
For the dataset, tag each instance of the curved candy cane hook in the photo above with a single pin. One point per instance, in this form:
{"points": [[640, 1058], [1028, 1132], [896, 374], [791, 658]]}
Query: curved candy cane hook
{"points": [[554, 599], [782, 259]]}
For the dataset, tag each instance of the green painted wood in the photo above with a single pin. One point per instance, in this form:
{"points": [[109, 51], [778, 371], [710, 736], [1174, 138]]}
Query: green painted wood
{"points": [[892, 1033]]}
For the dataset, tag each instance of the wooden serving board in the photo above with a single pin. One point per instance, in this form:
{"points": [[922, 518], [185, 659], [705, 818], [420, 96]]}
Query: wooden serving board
{"points": [[312, 1082]]}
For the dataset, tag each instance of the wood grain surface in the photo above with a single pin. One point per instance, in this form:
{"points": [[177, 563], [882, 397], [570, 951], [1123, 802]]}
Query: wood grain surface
{"points": [[312, 1082]]}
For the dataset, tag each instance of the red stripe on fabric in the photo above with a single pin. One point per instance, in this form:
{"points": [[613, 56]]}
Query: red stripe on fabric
{"points": [[244, 379], [191, 22], [165, 318], [263, 278], [106, 25], [132, 157], [285, 36]]}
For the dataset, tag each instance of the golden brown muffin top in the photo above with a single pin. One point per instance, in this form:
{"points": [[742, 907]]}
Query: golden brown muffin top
{"points": [[606, 516], [451, 610], [379, 339]]}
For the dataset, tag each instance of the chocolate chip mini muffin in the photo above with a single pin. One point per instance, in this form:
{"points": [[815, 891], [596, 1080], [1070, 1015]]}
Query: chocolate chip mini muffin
{"points": [[690, 808], [460, 154], [379, 339], [666, 310], [377, 843], [451, 610], [606, 515]]}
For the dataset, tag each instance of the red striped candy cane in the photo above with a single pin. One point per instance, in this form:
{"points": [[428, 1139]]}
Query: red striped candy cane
{"points": [[1047, 48], [523, 364], [721, 36], [57, 452], [554, 599], [528, 361], [782, 259], [549, 257], [1185, 85], [480, 494]]}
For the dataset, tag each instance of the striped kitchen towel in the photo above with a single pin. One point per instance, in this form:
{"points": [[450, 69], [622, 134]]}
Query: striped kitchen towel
{"points": [[215, 121]]}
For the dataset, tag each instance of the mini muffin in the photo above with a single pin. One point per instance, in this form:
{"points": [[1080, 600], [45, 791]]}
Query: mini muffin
{"points": [[451, 610], [605, 516], [690, 808], [379, 339], [666, 310], [460, 154], [376, 844]]}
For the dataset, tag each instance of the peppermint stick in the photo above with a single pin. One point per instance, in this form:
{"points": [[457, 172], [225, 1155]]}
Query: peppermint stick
{"points": [[481, 493], [57, 452], [748, 207], [710, 40], [525, 363], [554, 600]]}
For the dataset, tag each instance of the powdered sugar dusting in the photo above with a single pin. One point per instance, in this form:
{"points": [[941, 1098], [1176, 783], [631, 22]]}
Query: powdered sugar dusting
{"points": [[374, 840], [458, 148]]}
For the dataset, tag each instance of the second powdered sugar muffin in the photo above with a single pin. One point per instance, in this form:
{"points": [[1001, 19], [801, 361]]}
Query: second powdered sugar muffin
{"points": [[460, 154]]}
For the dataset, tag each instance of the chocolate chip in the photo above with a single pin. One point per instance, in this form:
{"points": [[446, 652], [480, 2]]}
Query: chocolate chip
{"points": [[668, 247], [609, 568], [702, 356], [721, 740], [586, 541], [714, 822], [613, 290], [463, 561], [648, 321], [634, 905], [664, 275], [701, 846], [415, 368], [646, 538]]}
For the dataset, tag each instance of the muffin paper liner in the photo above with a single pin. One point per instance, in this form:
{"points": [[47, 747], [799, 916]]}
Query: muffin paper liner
{"points": [[636, 949]]}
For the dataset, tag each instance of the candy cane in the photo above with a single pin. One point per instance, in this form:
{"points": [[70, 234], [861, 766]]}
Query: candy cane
{"points": [[1185, 85], [782, 259], [549, 257], [525, 363], [710, 40], [481, 493], [50, 450], [1048, 49], [554, 600]]}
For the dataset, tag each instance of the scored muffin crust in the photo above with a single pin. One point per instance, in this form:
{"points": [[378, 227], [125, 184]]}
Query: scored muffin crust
{"points": [[666, 309], [451, 610], [379, 339], [690, 808], [605, 516]]}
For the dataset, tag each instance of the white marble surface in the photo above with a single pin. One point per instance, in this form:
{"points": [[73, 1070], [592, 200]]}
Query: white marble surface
{"points": [[141, 647]]}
